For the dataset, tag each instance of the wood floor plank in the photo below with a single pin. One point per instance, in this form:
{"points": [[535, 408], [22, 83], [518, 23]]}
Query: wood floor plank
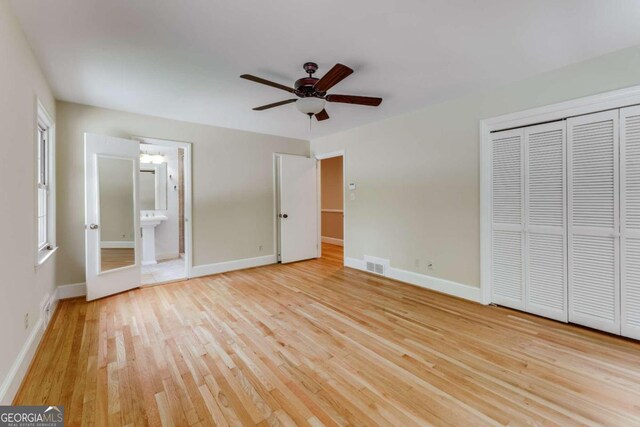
{"points": [[314, 343]]}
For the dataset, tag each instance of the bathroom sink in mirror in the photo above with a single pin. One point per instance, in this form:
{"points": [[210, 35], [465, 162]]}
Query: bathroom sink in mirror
{"points": [[153, 186]]}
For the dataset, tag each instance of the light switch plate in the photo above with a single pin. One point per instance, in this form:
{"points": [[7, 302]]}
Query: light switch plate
{"points": [[352, 186]]}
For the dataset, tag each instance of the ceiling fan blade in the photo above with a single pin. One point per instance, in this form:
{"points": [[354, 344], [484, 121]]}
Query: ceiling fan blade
{"points": [[275, 104], [267, 82], [332, 78], [322, 115], [351, 99]]}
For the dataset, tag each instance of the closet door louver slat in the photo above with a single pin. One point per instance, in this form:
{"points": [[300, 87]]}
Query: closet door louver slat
{"points": [[507, 207], [545, 214], [593, 221], [630, 220]]}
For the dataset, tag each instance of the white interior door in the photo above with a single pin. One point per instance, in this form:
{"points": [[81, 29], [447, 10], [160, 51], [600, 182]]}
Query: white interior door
{"points": [[630, 220], [112, 216], [298, 208], [593, 207], [545, 219], [507, 240]]}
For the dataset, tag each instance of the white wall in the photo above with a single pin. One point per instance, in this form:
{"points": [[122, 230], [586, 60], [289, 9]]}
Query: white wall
{"points": [[22, 288], [232, 183], [417, 175]]}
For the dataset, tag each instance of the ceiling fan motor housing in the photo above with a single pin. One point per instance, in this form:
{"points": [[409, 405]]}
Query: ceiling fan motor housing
{"points": [[306, 84]]}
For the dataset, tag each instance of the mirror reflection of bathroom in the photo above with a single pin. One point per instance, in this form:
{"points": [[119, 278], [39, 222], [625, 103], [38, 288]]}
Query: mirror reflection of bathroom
{"points": [[162, 213]]}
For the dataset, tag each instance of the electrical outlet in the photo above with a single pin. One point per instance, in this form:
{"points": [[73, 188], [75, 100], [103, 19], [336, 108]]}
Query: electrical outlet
{"points": [[417, 263], [430, 265], [26, 320]]}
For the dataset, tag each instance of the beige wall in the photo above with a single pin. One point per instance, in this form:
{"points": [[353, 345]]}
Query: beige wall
{"points": [[332, 225], [331, 185], [417, 175], [22, 288], [232, 183]]}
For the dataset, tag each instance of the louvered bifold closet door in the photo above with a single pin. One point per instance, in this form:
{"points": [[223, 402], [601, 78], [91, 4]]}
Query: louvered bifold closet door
{"points": [[593, 206], [545, 220], [507, 240], [630, 220]]}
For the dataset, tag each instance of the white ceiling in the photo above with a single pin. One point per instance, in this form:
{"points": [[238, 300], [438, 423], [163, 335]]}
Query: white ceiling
{"points": [[181, 59]]}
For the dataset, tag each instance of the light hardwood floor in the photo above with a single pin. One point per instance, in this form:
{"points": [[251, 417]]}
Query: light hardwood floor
{"points": [[313, 343]]}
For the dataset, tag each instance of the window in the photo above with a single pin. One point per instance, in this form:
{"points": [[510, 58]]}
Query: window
{"points": [[45, 164]]}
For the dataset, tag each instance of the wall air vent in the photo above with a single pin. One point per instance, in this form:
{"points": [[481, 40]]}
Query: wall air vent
{"points": [[376, 265]]}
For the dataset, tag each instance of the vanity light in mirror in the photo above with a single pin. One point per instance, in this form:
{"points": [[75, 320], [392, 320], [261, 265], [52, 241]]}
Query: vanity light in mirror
{"points": [[155, 159]]}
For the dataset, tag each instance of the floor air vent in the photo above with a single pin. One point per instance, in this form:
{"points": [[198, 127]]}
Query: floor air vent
{"points": [[376, 265], [375, 268]]}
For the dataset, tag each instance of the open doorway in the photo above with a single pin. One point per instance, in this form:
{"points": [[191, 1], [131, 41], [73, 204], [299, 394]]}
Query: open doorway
{"points": [[332, 206], [164, 190]]}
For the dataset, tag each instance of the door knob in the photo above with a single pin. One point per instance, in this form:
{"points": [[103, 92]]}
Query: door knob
{"points": [[285, 216], [93, 226]]}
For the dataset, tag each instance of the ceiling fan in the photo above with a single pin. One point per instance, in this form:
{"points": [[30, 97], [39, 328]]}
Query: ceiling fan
{"points": [[312, 91]]}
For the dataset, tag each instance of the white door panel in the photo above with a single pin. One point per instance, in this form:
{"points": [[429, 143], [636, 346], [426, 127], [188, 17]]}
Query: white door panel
{"points": [[507, 268], [630, 220], [112, 217], [593, 208], [507, 242], [298, 213], [545, 220]]}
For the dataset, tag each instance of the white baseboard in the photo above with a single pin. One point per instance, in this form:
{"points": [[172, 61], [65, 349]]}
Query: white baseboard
{"points": [[444, 286], [239, 264], [18, 370], [118, 245], [52, 302], [358, 264], [333, 241], [72, 291]]}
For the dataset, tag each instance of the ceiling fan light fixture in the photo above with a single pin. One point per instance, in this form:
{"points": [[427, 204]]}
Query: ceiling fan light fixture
{"points": [[310, 105]]}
